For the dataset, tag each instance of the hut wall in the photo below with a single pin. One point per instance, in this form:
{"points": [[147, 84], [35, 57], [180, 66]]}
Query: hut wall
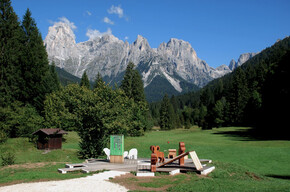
{"points": [[54, 142]]}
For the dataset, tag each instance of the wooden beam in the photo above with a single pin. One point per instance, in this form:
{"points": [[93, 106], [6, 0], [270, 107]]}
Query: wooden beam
{"points": [[195, 160], [174, 159]]}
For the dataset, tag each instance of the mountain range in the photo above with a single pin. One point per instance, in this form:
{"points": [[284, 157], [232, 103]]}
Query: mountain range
{"points": [[173, 67]]}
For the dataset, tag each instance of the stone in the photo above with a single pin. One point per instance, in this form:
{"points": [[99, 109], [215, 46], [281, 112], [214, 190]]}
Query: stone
{"points": [[176, 171]]}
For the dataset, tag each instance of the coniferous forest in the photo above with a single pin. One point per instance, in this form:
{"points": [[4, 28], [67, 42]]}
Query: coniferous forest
{"points": [[26, 77], [255, 95]]}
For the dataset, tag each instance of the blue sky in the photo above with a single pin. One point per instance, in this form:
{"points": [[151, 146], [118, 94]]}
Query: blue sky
{"points": [[218, 30]]}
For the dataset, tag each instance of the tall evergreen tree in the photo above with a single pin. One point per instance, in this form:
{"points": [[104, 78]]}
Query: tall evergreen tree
{"points": [[126, 84], [99, 81], [218, 112], [35, 65], [85, 81], [239, 96], [51, 80], [132, 84], [54, 77], [138, 87], [11, 48], [166, 114]]}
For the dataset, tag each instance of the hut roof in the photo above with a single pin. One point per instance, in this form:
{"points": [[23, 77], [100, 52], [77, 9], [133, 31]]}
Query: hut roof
{"points": [[50, 132]]}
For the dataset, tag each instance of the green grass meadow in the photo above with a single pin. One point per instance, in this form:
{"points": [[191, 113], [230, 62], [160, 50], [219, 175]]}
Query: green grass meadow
{"points": [[32, 165], [242, 163]]}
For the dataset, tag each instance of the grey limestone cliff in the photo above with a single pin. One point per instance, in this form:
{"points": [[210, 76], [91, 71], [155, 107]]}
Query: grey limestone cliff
{"points": [[176, 60]]}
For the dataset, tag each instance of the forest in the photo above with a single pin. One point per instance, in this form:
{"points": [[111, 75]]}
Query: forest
{"points": [[254, 95]]}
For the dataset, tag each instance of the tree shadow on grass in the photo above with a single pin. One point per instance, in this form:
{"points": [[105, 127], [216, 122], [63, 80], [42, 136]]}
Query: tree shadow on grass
{"points": [[252, 134], [286, 177]]}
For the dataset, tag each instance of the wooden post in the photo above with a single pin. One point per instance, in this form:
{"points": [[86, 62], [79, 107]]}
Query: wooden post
{"points": [[154, 160], [180, 151]]}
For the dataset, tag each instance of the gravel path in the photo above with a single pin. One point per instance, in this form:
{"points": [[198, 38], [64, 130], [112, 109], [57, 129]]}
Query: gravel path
{"points": [[97, 182]]}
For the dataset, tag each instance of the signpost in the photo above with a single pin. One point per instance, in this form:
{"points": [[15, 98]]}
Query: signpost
{"points": [[116, 148]]}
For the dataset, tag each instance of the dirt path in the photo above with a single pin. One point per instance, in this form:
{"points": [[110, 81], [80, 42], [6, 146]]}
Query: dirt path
{"points": [[97, 182]]}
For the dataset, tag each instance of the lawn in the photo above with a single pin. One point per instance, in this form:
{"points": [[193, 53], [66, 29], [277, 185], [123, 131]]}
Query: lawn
{"points": [[242, 163], [38, 165]]}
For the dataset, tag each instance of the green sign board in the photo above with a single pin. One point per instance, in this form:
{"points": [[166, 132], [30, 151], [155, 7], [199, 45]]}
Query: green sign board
{"points": [[116, 144]]}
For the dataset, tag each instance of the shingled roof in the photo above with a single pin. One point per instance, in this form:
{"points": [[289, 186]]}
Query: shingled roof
{"points": [[50, 132]]}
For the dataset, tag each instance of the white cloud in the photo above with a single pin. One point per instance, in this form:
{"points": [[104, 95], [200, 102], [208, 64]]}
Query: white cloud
{"points": [[88, 13], [126, 38], [116, 10], [64, 20], [94, 33], [107, 20]]}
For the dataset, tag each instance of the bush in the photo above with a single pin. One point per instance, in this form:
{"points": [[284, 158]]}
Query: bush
{"points": [[3, 136], [7, 158]]}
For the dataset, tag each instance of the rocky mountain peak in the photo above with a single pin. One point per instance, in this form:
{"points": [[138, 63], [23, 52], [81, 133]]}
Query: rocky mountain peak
{"points": [[60, 32], [245, 57], [232, 64], [60, 41], [141, 43], [242, 59], [109, 38], [179, 49]]}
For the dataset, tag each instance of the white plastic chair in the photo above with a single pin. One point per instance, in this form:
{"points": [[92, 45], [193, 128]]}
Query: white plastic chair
{"points": [[133, 154], [125, 154], [107, 152]]}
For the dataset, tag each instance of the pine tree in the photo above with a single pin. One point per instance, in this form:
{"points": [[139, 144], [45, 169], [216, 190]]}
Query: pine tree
{"points": [[85, 81], [132, 84], [35, 65], [53, 79], [218, 112], [239, 96], [99, 81], [138, 87], [127, 82], [166, 114], [11, 82]]}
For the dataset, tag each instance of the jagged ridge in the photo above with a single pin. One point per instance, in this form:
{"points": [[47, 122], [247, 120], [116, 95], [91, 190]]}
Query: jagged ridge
{"points": [[176, 61]]}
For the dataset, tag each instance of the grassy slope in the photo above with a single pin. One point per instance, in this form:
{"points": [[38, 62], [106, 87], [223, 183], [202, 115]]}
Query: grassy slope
{"points": [[242, 164], [34, 165]]}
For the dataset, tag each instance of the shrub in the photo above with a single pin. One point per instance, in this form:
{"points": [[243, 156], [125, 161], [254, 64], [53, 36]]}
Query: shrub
{"points": [[8, 158], [3, 136]]}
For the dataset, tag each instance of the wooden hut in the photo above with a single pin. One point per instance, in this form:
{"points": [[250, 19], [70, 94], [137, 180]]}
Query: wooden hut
{"points": [[49, 138]]}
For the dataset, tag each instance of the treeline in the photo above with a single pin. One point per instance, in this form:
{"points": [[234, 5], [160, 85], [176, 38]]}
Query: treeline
{"points": [[32, 97], [255, 94], [25, 74]]}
